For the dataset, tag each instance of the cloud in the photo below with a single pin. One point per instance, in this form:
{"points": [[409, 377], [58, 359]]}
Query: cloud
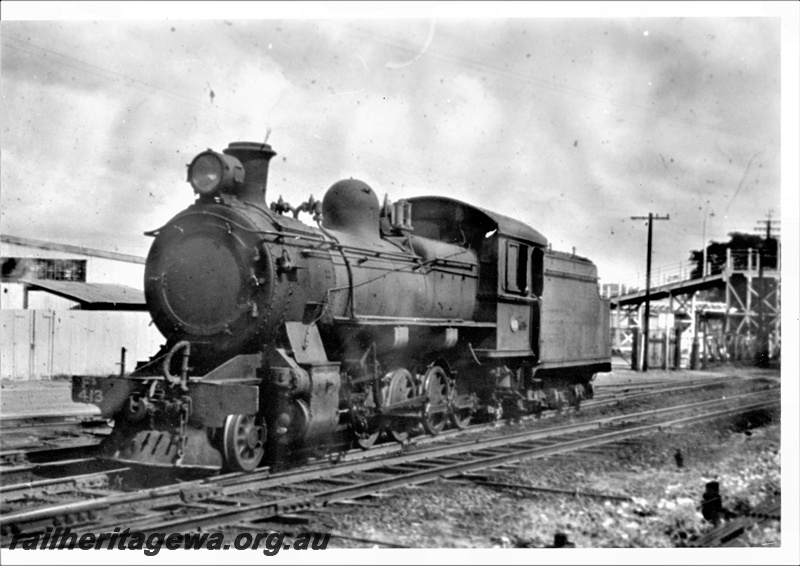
{"points": [[571, 125]]}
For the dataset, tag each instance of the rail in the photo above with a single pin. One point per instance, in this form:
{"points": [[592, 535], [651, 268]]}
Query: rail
{"points": [[726, 534], [233, 498], [21, 470]]}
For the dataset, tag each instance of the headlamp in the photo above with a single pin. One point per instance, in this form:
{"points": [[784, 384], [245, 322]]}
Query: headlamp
{"points": [[211, 172]]}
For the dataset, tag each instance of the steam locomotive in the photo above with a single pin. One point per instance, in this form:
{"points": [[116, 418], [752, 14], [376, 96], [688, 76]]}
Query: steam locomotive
{"points": [[386, 319]]}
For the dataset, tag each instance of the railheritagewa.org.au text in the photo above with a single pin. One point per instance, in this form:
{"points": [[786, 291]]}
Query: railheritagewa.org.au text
{"points": [[270, 543]]}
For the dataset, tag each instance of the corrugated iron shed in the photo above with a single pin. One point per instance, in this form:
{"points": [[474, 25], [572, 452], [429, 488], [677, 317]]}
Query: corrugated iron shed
{"points": [[93, 296]]}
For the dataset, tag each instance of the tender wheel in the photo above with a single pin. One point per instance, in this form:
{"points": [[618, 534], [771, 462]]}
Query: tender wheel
{"points": [[589, 388], [401, 388], [244, 438], [576, 395], [555, 399], [435, 411]]}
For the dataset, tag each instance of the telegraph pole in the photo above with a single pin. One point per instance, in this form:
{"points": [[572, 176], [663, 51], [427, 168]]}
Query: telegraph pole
{"points": [[762, 345], [646, 332]]}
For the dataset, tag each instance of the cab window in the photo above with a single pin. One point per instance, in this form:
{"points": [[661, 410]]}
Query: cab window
{"points": [[537, 272], [517, 268]]}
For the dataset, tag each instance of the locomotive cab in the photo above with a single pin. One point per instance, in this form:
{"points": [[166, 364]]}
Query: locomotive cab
{"points": [[510, 273], [551, 328]]}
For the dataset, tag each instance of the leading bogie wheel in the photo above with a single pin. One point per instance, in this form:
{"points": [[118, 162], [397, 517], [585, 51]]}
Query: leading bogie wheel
{"points": [[244, 442]]}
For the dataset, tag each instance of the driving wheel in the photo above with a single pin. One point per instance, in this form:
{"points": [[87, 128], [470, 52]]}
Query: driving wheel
{"points": [[435, 411], [401, 388]]}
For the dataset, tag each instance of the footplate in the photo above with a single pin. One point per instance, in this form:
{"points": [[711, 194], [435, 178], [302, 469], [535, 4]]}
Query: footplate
{"points": [[212, 401]]}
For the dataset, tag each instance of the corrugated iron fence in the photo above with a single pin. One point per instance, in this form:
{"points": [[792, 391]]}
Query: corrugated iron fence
{"points": [[40, 344]]}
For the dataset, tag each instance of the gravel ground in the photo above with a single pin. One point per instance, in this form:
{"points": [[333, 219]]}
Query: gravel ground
{"points": [[742, 454], [664, 511]]}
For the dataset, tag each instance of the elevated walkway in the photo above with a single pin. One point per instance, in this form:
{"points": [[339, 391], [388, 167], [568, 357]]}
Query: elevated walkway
{"points": [[671, 289], [744, 309]]}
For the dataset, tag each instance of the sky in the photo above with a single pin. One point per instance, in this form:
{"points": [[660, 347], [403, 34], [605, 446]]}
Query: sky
{"points": [[572, 125]]}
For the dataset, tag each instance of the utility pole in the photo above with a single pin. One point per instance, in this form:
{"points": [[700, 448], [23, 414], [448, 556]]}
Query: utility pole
{"points": [[762, 345], [706, 216], [646, 333]]}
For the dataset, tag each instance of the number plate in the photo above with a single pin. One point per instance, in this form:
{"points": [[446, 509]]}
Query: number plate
{"points": [[108, 393], [89, 392]]}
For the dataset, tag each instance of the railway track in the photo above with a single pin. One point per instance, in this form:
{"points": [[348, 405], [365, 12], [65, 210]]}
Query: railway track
{"points": [[239, 500], [728, 533], [643, 390], [645, 382], [24, 479], [96, 428], [50, 489], [662, 384], [34, 421], [21, 470], [38, 439], [32, 457]]}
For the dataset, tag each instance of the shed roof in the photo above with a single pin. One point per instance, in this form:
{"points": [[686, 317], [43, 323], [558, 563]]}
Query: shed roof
{"points": [[93, 296], [68, 248]]}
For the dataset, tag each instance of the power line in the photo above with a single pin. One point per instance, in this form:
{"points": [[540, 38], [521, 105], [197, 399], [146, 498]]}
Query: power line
{"points": [[770, 225], [142, 85], [96, 69], [456, 60], [459, 60], [27, 46], [741, 180]]}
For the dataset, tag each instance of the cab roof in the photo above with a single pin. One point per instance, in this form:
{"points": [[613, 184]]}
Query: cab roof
{"points": [[467, 218]]}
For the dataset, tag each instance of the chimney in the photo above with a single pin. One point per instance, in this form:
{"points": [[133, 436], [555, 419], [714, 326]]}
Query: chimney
{"points": [[255, 158]]}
